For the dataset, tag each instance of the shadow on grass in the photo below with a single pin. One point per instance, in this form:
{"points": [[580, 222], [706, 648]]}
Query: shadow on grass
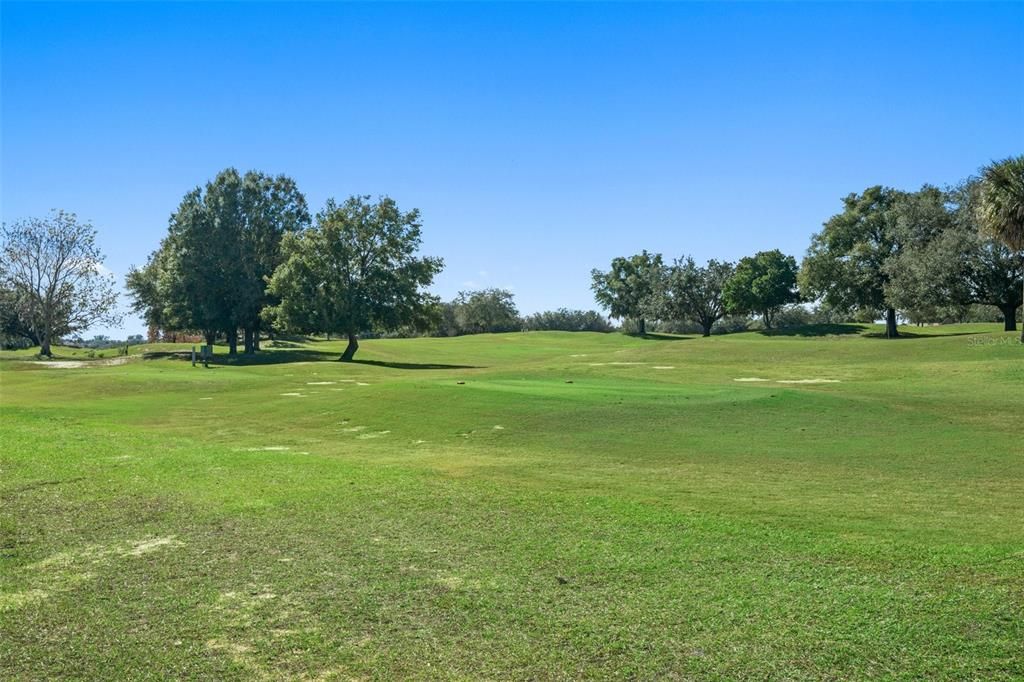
{"points": [[853, 329], [411, 365], [656, 336], [276, 357], [263, 357], [904, 334], [811, 330]]}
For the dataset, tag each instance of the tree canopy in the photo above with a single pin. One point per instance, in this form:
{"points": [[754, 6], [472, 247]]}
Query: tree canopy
{"points": [[223, 243], [695, 292], [762, 284], [631, 288], [845, 265], [356, 270]]}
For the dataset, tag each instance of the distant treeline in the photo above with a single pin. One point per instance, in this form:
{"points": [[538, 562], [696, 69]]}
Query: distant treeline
{"points": [[933, 255], [243, 258]]}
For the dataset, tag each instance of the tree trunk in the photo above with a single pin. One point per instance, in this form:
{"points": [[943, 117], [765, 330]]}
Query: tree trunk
{"points": [[707, 328], [45, 347], [249, 348], [890, 324], [767, 319], [210, 338], [643, 327], [232, 342], [256, 337], [1009, 318], [350, 349]]}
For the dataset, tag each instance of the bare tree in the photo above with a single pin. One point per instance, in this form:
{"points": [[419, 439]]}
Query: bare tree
{"points": [[55, 267]]}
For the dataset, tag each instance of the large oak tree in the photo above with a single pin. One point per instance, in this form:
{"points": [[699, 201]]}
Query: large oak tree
{"points": [[356, 270], [845, 266], [631, 288]]}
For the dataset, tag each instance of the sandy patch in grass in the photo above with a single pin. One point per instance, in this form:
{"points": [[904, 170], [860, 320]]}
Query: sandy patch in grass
{"points": [[320, 383], [206, 398], [807, 381], [268, 448], [499, 427], [79, 364], [65, 571], [293, 395], [375, 434], [790, 381], [354, 429], [664, 367], [146, 546], [10, 601], [362, 383], [618, 364]]}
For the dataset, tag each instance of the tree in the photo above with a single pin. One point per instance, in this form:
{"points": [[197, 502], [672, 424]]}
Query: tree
{"points": [[694, 292], [762, 284], [223, 243], [53, 267], [488, 310], [1001, 204], [945, 264], [845, 264], [355, 270], [631, 288], [14, 331]]}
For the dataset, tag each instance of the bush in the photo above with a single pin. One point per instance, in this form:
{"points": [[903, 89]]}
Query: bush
{"points": [[565, 320]]}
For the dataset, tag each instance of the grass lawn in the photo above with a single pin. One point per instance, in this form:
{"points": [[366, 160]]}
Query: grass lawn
{"points": [[815, 505]]}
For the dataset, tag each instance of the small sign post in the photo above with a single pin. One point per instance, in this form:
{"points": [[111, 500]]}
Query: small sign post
{"points": [[193, 356]]}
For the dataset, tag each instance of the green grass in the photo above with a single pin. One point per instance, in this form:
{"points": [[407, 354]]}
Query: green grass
{"points": [[634, 523]]}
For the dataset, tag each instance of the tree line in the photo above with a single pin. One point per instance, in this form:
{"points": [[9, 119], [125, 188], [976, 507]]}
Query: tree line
{"points": [[888, 252], [243, 254]]}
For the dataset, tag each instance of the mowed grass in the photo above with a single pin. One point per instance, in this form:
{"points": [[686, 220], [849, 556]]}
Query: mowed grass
{"points": [[297, 518]]}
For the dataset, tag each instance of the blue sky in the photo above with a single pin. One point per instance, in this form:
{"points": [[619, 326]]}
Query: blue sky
{"points": [[538, 140]]}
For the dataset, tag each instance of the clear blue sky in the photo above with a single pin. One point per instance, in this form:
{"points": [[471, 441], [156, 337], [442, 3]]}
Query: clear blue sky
{"points": [[539, 140]]}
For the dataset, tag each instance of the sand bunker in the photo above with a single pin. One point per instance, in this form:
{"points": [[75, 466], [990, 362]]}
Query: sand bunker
{"points": [[664, 367], [750, 379]]}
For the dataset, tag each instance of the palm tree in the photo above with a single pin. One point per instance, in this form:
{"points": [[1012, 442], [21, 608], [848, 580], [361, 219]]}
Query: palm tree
{"points": [[1001, 206]]}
